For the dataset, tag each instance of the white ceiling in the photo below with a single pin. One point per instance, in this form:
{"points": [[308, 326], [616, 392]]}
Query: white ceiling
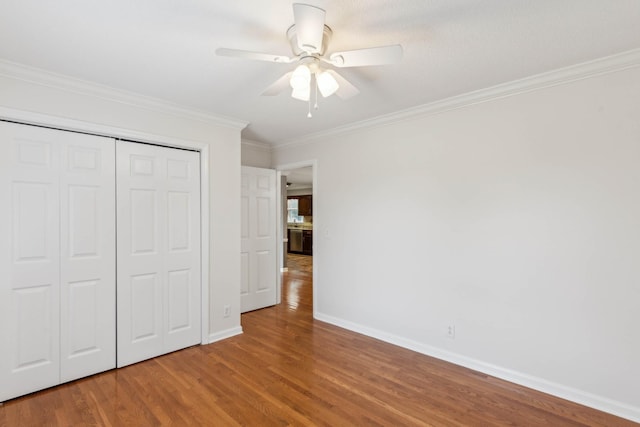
{"points": [[165, 49], [301, 178]]}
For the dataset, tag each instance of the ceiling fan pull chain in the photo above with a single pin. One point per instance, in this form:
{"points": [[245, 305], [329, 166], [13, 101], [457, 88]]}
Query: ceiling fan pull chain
{"points": [[316, 80], [309, 105]]}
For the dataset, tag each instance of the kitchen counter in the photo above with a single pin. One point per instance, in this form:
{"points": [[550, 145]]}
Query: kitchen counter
{"points": [[300, 226]]}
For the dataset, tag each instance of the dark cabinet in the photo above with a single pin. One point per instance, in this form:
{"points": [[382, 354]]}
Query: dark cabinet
{"points": [[305, 207], [307, 242]]}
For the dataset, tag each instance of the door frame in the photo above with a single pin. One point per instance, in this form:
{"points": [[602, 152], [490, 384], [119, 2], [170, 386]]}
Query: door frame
{"points": [[317, 222], [72, 125]]}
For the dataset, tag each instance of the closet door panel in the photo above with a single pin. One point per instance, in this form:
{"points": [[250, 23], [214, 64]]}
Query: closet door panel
{"points": [[29, 259], [183, 249], [140, 196], [87, 207], [158, 250], [57, 264]]}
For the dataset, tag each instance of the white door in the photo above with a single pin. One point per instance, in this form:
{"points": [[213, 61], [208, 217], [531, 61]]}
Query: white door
{"points": [[258, 239], [87, 256], [41, 303], [29, 254], [159, 282]]}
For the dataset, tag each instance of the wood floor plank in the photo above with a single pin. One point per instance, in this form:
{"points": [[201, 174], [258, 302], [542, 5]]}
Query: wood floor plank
{"points": [[291, 370]]}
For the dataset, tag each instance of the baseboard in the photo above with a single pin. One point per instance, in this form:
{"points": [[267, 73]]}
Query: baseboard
{"points": [[227, 333], [578, 396]]}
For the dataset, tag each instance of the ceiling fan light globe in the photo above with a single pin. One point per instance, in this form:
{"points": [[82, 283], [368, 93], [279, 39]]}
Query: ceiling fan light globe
{"points": [[300, 78], [302, 94], [327, 84]]}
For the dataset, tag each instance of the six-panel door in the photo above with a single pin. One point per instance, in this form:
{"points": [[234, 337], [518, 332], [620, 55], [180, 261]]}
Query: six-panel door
{"points": [[87, 256], [258, 239], [158, 250], [57, 257]]}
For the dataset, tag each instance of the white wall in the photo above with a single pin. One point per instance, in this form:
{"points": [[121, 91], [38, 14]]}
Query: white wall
{"points": [[516, 219], [67, 103], [256, 154]]}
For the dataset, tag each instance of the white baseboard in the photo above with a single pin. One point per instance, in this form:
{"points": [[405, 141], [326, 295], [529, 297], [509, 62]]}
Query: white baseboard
{"points": [[578, 396], [227, 333]]}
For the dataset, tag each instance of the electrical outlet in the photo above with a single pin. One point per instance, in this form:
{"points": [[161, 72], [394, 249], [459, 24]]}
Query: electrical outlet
{"points": [[451, 331], [227, 310]]}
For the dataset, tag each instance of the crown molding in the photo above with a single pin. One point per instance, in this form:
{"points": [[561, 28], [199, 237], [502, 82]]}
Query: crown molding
{"points": [[601, 66], [256, 145], [65, 83]]}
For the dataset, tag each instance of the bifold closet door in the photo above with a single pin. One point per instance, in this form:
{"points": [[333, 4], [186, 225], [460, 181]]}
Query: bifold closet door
{"points": [[87, 256], [57, 257], [159, 281]]}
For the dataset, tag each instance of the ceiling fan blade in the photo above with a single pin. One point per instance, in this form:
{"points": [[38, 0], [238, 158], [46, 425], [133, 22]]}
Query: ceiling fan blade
{"points": [[245, 54], [309, 21], [279, 85], [383, 55], [345, 90]]}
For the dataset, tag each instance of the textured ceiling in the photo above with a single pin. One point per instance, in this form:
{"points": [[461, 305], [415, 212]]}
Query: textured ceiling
{"points": [[165, 49]]}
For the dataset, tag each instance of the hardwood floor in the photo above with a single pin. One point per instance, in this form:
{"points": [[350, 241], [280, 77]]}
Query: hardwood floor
{"points": [[300, 263], [289, 369]]}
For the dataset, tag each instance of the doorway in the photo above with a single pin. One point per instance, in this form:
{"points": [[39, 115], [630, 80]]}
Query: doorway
{"points": [[298, 220]]}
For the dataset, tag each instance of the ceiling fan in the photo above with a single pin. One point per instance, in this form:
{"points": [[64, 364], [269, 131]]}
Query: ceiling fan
{"points": [[309, 38]]}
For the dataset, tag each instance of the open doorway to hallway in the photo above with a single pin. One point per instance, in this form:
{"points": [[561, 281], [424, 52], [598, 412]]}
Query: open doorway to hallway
{"points": [[298, 221], [298, 218]]}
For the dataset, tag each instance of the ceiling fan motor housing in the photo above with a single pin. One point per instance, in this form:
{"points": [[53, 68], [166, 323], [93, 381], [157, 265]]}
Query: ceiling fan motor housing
{"points": [[297, 51]]}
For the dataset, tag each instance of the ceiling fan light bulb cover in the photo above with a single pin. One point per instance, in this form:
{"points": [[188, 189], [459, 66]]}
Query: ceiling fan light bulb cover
{"points": [[327, 84], [300, 78], [302, 94]]}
